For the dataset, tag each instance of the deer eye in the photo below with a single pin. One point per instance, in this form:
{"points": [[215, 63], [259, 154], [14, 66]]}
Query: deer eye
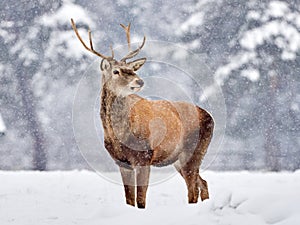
{"points": [[116, 72]]}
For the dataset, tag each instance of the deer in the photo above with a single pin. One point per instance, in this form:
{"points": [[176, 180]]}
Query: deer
{"points": [[140, 133]]}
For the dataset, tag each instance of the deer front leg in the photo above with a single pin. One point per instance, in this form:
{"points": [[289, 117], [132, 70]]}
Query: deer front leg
{"points": [[128, 178], [142, 177]]}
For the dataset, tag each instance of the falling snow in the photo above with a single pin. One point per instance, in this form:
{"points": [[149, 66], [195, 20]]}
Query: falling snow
{"points": [[251, 49]]}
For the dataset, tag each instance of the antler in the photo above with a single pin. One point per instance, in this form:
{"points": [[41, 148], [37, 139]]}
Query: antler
{"points": [[91, 49], [127, 30], [133, 53]]}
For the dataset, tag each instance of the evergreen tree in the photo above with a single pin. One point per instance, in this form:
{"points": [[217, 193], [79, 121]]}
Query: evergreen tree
{"points": [[261, 78]]}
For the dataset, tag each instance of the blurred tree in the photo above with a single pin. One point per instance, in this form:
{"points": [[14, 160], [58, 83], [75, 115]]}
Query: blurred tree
{"points": [[2, 126], [266, 66], [21, 63], [38, 50], [258, 44]]}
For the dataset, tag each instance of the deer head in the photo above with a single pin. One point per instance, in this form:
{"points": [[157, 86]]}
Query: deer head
{"points": [[118, 76]]}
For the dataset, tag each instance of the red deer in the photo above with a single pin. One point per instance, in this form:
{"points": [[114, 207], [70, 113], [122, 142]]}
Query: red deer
{"points": [[139, 133]]}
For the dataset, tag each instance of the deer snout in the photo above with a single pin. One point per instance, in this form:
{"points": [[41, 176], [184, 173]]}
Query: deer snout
{"points": [[140, 82]]}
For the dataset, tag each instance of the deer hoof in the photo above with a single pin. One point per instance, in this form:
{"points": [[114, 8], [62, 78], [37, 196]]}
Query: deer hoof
{"points": [[204, 195], [141, 205], [130, 203]]}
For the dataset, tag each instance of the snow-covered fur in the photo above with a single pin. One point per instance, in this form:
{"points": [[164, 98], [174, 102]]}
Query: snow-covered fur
{"points": [[139, 133]]}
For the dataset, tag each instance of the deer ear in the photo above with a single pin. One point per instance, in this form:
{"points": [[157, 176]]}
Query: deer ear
{"points": [[105, 64], [136, 64]]}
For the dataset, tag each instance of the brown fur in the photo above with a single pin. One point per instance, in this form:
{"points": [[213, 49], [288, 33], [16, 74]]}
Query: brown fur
{"points": [[139, 133], [155, 133]]}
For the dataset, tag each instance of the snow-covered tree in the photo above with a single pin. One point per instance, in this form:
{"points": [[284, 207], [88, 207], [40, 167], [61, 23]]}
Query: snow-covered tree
{"points": [[262, 81], [63, 62], [253, 46], [41, 64], [17, 97], [2, 126]]}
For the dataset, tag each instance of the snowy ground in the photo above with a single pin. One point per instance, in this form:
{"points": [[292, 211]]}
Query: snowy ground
{"points": [[82, 197]]}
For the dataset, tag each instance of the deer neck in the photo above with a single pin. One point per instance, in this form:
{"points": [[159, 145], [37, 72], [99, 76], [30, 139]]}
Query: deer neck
{"points": [[112, 104], [109, 103], [114, 111]]}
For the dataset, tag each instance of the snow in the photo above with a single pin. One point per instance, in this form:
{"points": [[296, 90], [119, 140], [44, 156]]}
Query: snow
{"points": [[295, 107], [2, 125], [258, 36], [193, 21], [3, 33], [253, 15], [251, 74], [279, 26], [66, 43], [278, 9], [280, 23], [82, 197], [26, 53], [65, 13], [61, 42], [237, 61]]}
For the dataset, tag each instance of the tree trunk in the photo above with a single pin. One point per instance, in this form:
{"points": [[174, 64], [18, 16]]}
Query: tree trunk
{"points": [[30, 115], [271, 145]]}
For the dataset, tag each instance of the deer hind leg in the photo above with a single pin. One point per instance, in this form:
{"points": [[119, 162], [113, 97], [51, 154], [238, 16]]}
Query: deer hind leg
{"points": [[190, 172], [202, 184], [190, 175], [128, 178], [142, 177], [195, 160], [192, 168]]}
